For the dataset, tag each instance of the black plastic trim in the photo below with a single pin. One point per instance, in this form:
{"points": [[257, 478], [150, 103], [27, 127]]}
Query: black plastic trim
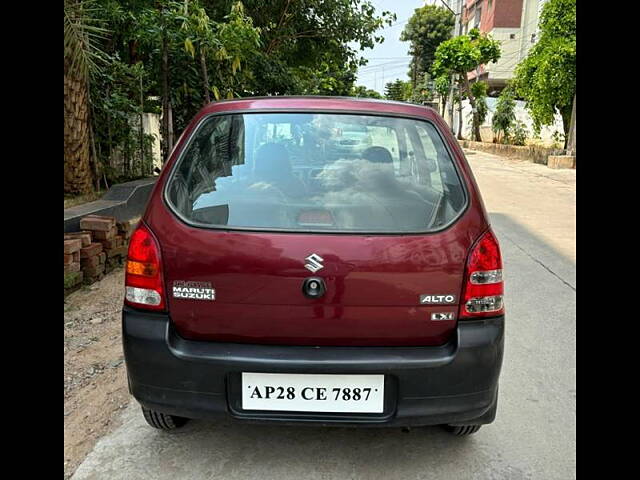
{"points": [[453, 383]]}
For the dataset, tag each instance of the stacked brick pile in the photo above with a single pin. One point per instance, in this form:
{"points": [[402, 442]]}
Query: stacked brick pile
{"points": [[95, 251], [72, 274], [116, 248]]}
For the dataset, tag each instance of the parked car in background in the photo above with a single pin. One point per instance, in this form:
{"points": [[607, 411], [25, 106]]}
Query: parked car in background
{"points": [[275, 279], [350, 139]]}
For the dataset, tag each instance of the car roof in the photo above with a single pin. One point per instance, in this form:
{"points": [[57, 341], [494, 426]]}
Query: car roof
{"points": [[319, 103]]}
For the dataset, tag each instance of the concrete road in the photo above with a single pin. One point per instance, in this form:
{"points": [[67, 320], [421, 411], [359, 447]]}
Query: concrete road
{"points": [[533, 437]]}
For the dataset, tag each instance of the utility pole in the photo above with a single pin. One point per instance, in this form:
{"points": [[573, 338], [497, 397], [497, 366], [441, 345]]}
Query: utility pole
{"points": [[457, 31]]}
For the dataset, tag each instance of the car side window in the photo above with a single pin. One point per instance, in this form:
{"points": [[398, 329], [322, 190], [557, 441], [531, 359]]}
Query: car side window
{"points": [[386, 137], [431, 156]]}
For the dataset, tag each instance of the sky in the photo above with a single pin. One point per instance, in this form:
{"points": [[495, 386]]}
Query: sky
{"points": [[390, 59]]}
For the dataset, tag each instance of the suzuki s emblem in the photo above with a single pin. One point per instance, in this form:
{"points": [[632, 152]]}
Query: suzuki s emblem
{"points": [[314, 262]]}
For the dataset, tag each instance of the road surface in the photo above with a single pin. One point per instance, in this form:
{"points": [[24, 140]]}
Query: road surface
{"points": [[533, 213]]}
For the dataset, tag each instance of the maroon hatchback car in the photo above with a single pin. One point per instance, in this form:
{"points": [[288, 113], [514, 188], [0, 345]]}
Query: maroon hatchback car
{"points": [[315, 259]]}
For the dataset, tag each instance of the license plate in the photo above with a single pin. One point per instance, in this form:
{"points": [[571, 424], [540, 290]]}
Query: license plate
{"points": [[313, 393]]}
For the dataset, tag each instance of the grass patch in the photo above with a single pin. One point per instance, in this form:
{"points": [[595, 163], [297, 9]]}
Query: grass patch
{"points": [[74, 200]]}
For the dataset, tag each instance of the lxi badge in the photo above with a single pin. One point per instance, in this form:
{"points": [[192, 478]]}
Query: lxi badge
{"points": [[442, 316]]}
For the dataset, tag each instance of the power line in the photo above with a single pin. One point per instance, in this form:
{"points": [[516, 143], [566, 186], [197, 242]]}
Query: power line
{"points": [[389, 61], [381, 65], [397, 23], [387, 58], [388, 72], [449, 8]]}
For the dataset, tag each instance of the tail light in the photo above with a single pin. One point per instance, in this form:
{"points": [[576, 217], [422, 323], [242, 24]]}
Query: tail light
{"points": [[483, 287], [143, 280]]}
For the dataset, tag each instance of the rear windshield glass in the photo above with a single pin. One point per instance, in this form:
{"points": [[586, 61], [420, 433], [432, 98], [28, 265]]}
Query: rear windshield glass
{"points": [[316, 172]]}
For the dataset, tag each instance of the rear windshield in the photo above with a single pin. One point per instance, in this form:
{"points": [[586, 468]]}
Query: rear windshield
{"points": [[316, 172]]}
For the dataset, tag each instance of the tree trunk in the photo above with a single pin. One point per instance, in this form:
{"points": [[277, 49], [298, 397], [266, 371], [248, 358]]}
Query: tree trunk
{"points": [[474, 115], [414, 76], [205, 77], [94, 156], [476, 126], [571, 138], [565, 113], [77, 168], [460, 118], [170, 132], [167, 121], [141, 118], [93, 153]]}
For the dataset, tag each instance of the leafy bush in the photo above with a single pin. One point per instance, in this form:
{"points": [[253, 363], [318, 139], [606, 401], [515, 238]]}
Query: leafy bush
{"points": [[558, 139], [504, 116], [519, 134], [479, 91]]}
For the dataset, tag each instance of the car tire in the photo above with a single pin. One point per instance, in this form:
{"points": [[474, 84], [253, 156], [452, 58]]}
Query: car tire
{"points": [[162, 421], [462, 430]]}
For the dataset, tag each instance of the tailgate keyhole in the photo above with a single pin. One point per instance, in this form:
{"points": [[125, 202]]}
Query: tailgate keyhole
{"points": [[313, 287]]}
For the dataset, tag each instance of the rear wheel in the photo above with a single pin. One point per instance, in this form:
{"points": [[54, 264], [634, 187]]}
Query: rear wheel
{"points": [[462, 430], [162, 421]]}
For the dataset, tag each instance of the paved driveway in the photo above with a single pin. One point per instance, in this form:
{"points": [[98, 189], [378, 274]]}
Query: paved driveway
{"points": [[533, 214]]}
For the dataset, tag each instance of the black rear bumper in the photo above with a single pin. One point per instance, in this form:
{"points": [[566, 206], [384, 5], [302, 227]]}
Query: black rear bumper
{"points": [[456, 383]]}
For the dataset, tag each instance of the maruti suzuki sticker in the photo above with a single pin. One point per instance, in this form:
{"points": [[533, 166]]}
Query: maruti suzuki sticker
{"points": [[193, 290]]}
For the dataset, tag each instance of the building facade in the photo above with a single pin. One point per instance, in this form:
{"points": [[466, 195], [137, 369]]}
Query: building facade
{"points": [[530, 25], [514, 23]]}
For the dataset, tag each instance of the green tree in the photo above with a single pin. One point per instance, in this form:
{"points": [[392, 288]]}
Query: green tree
{"points": [[546, 79], [479, 92], [308, 46], [82, 56], [186, 54], [424, 90], [172, 56], [169, 32], [504, 116], [398, 90], [393, 90], [442, 86], [225, 44], [461, 55], [116, 103], [427, 28], [362, 91]]}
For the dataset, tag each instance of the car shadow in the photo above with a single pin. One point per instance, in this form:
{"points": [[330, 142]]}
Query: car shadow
{"points": [[277, 451]]}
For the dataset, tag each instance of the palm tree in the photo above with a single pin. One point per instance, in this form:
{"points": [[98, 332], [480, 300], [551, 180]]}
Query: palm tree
{"points": [[81, 57]]}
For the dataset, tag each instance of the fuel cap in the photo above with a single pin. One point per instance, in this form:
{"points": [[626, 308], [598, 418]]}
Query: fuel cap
{"points": [[313, 287]]}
